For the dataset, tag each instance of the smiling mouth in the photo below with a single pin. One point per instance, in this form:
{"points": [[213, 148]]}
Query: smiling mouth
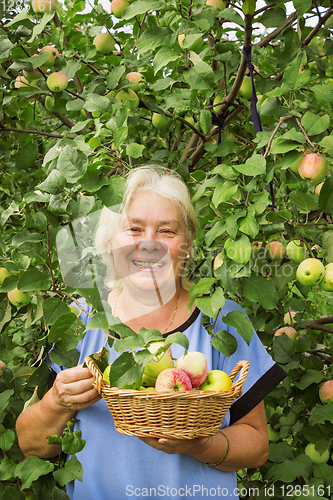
{"points": [[147, 265]]}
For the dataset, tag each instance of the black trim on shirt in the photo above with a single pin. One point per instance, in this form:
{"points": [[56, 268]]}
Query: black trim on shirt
{"points": [[186, 324], [257, 393]]}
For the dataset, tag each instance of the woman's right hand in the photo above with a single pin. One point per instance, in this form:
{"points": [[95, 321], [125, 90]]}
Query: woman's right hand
{"points": [[72, 389]]}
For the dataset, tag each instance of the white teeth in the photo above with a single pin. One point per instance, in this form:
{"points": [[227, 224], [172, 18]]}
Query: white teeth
{"points": [[147, 265]]}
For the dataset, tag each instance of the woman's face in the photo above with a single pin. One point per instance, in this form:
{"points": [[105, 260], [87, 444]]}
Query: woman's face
{"points": [[150, 246]]}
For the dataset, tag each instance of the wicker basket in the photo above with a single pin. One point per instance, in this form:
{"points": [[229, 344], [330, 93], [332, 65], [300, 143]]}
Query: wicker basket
{"points": [[178, 415]]}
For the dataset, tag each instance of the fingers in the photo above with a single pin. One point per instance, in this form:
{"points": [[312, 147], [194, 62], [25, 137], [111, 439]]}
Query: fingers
{"points": [[73, 388], [174, 446]]}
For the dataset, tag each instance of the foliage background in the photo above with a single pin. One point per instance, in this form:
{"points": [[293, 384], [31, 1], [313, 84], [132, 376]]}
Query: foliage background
{"points": [[59, 168]]}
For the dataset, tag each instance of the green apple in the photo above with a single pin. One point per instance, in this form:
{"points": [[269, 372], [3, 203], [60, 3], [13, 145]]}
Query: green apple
{"points": [[74, 310], [3, 274], [296, 251], [318, 187], [245, 89], [195, 46], [34, 74], [117, 7], [327, 282], [21, 81], [316, 457], [43, 6], [159, 362], [273, 435], [310, 272], [275, 250], [135, 77], [216, 3], [106, 376], [129, 97], [326, 391], [53, 53], [313, 168], [104, 43], [49, 103], [217, 102], [216, 380], [238, 250], [218, 261], [18, 298], [57, 81], [148, 381], [160, 122], [288, 317]]}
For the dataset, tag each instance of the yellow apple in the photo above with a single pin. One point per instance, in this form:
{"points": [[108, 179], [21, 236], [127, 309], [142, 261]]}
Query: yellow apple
{"points": [[217, 380]]}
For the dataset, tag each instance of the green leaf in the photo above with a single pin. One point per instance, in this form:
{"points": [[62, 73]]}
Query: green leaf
{"points": [[326, 196], [152, 38], [205, 120], [68, 359], [177, 338], [310, 376], [72, 163], [232, 16], [7, 439], [294, 78], [202, 287], [114, 76], [224, 342], [102, 320], [303, 201], [128, 343], [125, 370], [163, 57], [4, 401], [135, 150], [120, 136], [24, 14], [54, 183], [249, 7], [70, 472], [142, 7], [255, 165], [211, 305], [289, 470], [223, 192], [33, 280], [31, 469], [283, 350], [302, 6], [66, 331], [321, 413], [248, 224], [315, 124], [258, 289], [241, 323]]}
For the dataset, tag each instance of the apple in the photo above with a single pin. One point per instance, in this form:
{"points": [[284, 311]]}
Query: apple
{"points": [[21, 81], [128, 96], [106, 376], [173, 380], [273, 435], [316, 457], [160, 122], [318, 187], [288, 317], [18, 298], [256, 245], [194, 364], [296, 251], [327, 281], [104, 43], [53, 53], [275, 250], [287, 330], [195, 46], [310, 272], [2, 364], [216, 3], [295, 166], [159, 362], [245, 89], [49, 103], [57, 81], [148, 381], [313, 168], [42, 6], [218, 261], [3, 274], [218, 101], [74, 310], [117, 7], [34, 74], [217, 380], [135, 77], [326, 391]]}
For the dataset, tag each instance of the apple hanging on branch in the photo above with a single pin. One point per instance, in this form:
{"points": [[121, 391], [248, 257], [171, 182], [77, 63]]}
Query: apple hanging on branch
{"points": [[313, 168], [310, 272]]}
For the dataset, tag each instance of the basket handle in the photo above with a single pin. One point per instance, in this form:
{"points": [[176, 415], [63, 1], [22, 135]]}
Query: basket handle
{"points": [[243, 368], [95, 372]]}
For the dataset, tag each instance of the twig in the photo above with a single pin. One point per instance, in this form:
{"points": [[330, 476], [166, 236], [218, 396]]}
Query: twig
{"points": [[37, 132], [282, 119], [304, 133]]}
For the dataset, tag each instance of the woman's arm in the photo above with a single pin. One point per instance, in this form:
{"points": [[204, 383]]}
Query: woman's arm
{"points": [[72, 391], [248, 443]]}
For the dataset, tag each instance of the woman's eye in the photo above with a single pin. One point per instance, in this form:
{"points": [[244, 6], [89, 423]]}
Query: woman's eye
{"points": [[134, 229]]}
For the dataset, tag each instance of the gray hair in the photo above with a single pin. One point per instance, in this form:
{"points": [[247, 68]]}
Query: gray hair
{"points": [[158, 180]]}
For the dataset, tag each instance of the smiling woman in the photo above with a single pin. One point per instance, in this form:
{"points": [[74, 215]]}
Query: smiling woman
{"points": [[146, 247]]}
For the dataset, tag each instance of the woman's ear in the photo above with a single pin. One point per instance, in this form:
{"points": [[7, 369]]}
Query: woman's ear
{"points": [[109, 247]]}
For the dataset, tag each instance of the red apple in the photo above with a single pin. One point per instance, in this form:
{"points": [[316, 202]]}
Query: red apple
{"points": [[313, 168], [275, 250], [216, 3], [104, 43], [326, 391], [173, 380], [53, 53], [43, 6], [194, 364], [117, 7], [217, 380], [57, 81], [310, 272], [2, 364], [288, 330], [159, 362]]}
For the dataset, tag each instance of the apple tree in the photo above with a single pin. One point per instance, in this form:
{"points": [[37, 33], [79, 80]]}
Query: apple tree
{"points": [[237, 98]]}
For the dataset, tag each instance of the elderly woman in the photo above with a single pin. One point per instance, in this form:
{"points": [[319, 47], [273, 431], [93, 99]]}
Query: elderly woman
{"points": [[146, 247]]}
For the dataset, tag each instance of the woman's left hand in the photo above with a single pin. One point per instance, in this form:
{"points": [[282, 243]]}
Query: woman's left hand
{"points": [[175, 446]]}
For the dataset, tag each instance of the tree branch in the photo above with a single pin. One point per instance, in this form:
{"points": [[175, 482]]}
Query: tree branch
{"points": [[322, 20], [36, 132], [265, 41]]}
